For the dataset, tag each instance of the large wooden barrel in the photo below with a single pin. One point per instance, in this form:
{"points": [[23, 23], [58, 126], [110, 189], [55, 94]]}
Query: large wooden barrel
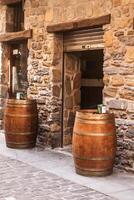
{"points": [[94, 143], [20, 123]]}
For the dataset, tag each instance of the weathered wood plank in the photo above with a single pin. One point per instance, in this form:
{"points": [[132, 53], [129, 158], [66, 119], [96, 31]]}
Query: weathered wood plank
{"points": [[79, 24], [14, 36], [7, 2]]}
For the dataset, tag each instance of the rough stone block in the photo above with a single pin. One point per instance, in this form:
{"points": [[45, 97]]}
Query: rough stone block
{"points": [[55, 116], [1, 113], [35, 64], [119, 70], [1, 124], [36, 46], [118, 104], [116, 3], [55, 127], [3, 91], [127, 40], [77, 97], [130, 132], [111, 70], [130, 32], [56, 91], [56, 75], [2, 102], [35, 4], [76, 81], [129, 57], [131, 116], [119, 33], [68, 85], [55, 140], [127, 94], [67, 139], [127, 2], [71, 119], [70, 62], [124, 123], [129, 80], [120, 114], [69, 13], [49, 15], [125, 11], [123, 22], [130, 107], [117, 80], [69, 102], [110, 91], [106, 79], [108, 38]]}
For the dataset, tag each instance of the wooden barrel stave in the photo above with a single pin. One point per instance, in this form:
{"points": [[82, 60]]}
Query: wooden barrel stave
{"points": [[94, 143], [20, 141], [20, 122]]}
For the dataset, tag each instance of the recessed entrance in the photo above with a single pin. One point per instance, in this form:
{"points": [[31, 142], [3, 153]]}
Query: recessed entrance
{"points": [[83, 74], [83, 85], [91, 78]]}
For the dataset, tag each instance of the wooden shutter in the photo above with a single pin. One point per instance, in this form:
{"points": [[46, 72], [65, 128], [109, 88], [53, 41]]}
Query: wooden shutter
{"points": [[82, 40]]}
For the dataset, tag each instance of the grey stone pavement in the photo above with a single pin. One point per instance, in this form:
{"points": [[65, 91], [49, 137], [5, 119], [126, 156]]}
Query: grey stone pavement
{"points": [[50, 175], [21, 181]]}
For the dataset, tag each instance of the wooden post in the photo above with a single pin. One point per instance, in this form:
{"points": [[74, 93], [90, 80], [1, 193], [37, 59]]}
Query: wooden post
{"points": [[14, 36], [8, 2], [79, 24]]}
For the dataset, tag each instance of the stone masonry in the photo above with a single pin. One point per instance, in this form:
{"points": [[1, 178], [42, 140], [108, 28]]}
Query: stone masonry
{"points": [[71, 94], [46, 59]]}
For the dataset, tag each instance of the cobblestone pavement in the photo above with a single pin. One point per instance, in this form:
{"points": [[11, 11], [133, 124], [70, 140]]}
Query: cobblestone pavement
{"points": [[20, 181]]}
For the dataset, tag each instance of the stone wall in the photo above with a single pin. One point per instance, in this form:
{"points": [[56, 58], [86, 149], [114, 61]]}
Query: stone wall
{"points": [[46, 59], [72, 95], [44, 71], [119, 80], [45, 62]]}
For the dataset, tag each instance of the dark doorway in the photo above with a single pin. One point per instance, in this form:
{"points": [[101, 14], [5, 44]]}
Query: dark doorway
{"points": [[83, 85], [91, 78], [82, 81]]}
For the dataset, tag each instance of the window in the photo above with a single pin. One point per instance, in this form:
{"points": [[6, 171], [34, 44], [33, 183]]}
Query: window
{"points": [[15, 17], [18, 69]]}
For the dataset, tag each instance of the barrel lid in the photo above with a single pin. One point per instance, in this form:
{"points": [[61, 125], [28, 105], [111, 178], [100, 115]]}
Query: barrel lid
{"points": [[93, 114]]}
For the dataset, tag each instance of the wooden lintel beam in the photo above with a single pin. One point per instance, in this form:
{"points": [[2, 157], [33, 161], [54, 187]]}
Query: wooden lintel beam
{"points": [[8, 2], [15, 36], [79, 24]]}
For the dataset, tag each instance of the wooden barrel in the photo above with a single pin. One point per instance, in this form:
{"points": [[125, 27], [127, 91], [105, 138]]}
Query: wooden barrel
{"points": [[94, 143], [20, 123]]}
